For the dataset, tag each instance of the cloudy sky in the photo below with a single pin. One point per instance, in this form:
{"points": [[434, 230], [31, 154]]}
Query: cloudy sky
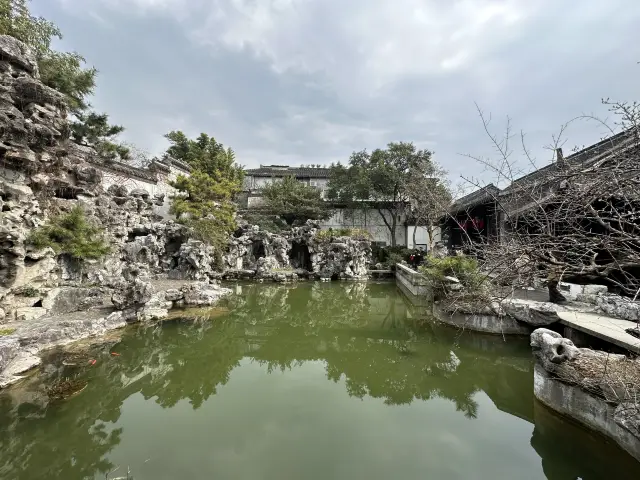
{"points": [[309, 81]]}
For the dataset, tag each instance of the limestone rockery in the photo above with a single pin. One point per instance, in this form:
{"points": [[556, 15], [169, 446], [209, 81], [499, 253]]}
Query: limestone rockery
{"points": [[298, 253], [155, 264], [600, 390]]}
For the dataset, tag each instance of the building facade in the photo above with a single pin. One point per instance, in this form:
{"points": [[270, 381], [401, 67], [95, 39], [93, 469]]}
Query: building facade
{"points": [[491, 214], [369, 219], [257, 178]]}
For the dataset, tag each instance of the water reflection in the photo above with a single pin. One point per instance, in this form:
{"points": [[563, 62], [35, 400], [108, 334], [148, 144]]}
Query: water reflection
{"points": [[358, 331]]}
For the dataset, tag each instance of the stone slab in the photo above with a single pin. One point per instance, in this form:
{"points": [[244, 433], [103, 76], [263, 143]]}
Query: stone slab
{"points": [[415, 300], [584, 407], [493, 324], [606, 328]]}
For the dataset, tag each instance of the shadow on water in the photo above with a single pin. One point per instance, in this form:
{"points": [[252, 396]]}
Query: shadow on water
{"points": [[362, 334]]}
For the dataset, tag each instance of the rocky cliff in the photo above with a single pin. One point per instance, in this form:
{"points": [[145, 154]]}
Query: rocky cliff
{"points": [[44, 174]]}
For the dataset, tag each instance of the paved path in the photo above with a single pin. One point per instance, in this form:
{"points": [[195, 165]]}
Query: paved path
{"points": [[606, 328]]}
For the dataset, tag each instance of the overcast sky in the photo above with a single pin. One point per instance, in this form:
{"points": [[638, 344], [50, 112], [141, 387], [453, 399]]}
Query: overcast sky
{"points": [[309, 81]]}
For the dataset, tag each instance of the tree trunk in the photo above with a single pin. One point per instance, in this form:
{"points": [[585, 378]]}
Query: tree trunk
{"points": [[415, 229], [554, 294], [553, 279], [430, 232], [393, 229]]}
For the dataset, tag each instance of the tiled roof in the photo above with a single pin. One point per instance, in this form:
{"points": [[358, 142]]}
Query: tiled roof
{"points": [[582, 158], [178, 164], [284, 171], [474, 198]]}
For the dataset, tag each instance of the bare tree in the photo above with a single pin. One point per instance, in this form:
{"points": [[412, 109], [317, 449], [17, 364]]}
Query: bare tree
{"points": [[577, 217], [430, 197]]}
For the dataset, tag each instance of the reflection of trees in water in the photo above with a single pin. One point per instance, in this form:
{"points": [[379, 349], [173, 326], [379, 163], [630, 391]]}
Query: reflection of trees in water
{"points": [[74, 443], [74, 436], [357, 329], [569, 452]]}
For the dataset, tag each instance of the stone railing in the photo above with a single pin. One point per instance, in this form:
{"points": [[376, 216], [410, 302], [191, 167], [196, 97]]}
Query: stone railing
{"points": [[412, 282]]}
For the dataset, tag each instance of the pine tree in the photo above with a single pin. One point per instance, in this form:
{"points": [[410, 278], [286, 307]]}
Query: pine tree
{"points": [[207, 204], [64, 72]]}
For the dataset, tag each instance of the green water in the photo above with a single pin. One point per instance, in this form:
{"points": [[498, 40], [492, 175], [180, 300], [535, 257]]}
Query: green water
{"points": [[315, 381]]}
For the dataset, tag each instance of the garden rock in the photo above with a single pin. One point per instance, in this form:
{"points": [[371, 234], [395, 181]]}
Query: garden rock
{"points": [[532, 312], [619, 307], [202, 293]]}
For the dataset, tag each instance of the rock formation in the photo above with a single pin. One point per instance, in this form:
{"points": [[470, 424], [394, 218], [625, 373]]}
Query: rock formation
{"points": [[531, 312], [44, 174], [619, 307], [300, 252], [597, 388]]}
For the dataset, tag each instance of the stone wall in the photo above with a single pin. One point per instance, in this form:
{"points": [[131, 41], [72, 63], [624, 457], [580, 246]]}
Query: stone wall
{"points": [[299, 252], [598, 389], [154, 179]]}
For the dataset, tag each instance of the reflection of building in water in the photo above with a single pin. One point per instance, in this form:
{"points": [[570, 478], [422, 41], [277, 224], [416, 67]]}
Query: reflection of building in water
{"points": [[275, 329]]}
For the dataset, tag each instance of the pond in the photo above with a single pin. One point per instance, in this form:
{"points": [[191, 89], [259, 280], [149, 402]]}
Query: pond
{"points": [[313, 381]]}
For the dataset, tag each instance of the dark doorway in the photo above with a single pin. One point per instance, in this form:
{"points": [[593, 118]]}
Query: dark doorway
{"points": [[257, 250], [171, 248], [300, 256]]}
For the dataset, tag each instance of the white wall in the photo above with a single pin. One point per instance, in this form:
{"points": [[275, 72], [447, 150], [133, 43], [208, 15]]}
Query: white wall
{"points": [[321, 184], [422, 237], [255, 202], [256, 183], [369, 220], [153, 188], [114, 178]]}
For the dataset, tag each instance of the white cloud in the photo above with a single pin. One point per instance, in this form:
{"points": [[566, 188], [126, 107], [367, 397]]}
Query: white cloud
{"points": [[142, 4], [306, 130], [181, 10], [364, 42], [358, 46], [359, 73]]}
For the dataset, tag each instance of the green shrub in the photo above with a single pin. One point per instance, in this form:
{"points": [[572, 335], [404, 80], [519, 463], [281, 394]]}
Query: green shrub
{"points": [[355, 233], [324, 235], [295, 202], [206, 205], [267, 223], [392, 259], [211, 232], [26, 292], [464, 268], [389, 256], [71, 234], [6, 331]]}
